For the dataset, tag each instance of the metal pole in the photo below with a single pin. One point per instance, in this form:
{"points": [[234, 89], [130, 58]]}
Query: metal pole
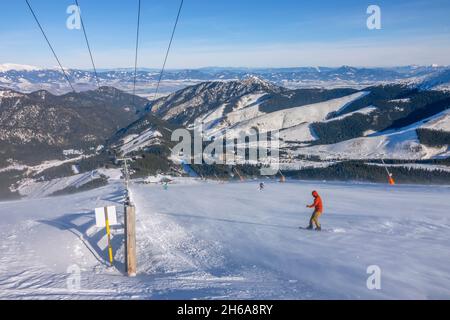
{"points": [[239, 175], [127, 180], [108, 234], [283, 178], [385, 167], [390, 177]]}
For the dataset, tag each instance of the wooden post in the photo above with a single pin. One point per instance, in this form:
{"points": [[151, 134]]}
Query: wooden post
{"points": [[130, 240]]}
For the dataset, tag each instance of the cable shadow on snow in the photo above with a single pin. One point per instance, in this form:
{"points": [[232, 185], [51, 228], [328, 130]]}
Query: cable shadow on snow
{"points": [[117, 197], [226, 220], [82, 225]]}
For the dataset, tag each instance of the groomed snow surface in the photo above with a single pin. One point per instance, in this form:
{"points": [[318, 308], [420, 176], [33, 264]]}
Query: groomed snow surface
{"points": [[207, 240]]}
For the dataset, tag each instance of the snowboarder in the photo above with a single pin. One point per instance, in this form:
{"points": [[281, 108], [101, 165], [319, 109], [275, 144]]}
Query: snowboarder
{"points": [[261, 186], [165, 186], [318, 210]]}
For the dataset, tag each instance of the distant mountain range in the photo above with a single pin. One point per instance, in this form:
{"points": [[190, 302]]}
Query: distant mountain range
{"points": [[42, 135], [29, 78]]}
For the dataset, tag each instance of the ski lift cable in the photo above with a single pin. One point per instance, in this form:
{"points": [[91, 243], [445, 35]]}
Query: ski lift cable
{"points": [[168, 50], [50, 45], [137, 49], [88, 45]]}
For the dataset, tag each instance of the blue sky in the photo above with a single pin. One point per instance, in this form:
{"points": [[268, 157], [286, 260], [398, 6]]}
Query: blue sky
{"points": [[230, 33]]}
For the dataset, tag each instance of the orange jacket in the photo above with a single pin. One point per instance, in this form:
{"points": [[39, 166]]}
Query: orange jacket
{"points": [[318, 205]]}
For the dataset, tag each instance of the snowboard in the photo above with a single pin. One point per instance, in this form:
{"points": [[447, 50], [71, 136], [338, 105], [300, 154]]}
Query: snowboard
{"points": [[314, 230], [323, 230], [307, 229]]}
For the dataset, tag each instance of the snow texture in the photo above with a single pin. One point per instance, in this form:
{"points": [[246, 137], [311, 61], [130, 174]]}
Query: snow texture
{"points": [[231, 241]]}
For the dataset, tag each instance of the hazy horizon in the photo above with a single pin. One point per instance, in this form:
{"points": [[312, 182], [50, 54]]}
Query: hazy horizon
{"points": [[143, 68]]}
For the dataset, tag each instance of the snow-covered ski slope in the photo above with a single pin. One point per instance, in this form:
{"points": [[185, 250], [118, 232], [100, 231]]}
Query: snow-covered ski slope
{"points": [[394, 144], [31, 188], [138, 142], [247, 116], [231, 241], [440, 122]]}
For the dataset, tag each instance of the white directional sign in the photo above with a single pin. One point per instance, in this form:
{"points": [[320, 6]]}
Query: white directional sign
{"points": [[100, 218]]}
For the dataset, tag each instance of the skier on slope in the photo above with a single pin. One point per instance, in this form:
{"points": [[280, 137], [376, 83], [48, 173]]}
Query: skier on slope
{"points": [[261, 186], [318, 210]]}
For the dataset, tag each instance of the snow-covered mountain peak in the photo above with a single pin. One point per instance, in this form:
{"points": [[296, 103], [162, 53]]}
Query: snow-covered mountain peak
{"points": [[40, 94], [347, 69], [252, 80], [255, 79], [17, 67]]}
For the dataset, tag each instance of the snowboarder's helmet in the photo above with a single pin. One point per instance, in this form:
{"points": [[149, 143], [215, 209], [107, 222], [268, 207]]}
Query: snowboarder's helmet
{"points": [[315, 194]]}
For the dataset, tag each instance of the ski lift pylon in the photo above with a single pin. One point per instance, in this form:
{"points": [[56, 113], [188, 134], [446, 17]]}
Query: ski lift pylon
{"points": [[390, 175]]}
